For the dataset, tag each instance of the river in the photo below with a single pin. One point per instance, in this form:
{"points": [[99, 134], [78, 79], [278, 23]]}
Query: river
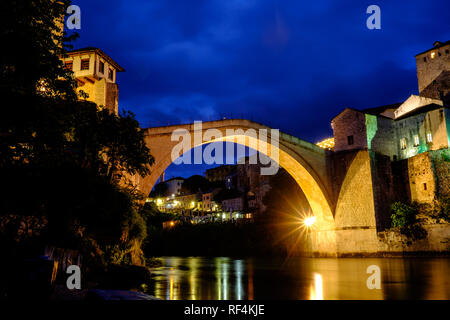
{"points": [[224, 278]]}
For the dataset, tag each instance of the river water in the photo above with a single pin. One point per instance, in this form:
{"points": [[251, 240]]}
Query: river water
{"points": [[224, 278]]}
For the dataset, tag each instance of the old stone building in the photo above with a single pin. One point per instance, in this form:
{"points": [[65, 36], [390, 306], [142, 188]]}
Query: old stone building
{"points": [[432, 63], [96, 74], [218, 173], [399, 131], [407, 143]]}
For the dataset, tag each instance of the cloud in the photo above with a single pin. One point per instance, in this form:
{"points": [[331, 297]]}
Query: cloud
{"points": [[290, 64]]}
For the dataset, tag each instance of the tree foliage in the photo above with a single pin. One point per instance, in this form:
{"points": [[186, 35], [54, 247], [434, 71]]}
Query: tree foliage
{"points": [[404, 217], [61, 157], [194, 184], [32, 44], [402, 214]]}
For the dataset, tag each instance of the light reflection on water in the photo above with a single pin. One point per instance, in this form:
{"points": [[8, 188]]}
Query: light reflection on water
{"points": [[224, 278]]}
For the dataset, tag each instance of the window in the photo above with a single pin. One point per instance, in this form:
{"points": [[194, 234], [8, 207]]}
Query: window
{"points": [[350, 140], [424, 59], [439, 54], [441, 115], [84, 64], [433, 54], [69, 65], [429, 137], [101, 67], [424, 186], [111, 74], [446, 51], [416, 140], [403, 143]]}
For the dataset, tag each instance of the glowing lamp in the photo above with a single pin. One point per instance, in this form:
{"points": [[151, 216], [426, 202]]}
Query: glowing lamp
{"points": [[309, 221]]}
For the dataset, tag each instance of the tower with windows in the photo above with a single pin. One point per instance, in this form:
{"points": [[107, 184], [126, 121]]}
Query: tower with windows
{"points": [[432, 64], [96, 74]]}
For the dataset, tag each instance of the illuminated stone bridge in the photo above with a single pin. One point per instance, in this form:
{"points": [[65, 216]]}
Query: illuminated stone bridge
{"points": [[344, 223]]}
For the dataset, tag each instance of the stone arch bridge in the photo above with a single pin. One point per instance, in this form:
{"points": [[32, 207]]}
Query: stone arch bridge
{"points": [[305, 162]]}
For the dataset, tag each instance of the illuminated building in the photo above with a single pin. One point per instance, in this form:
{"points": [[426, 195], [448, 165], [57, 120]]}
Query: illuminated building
{"points": [[218, 173], [406, 141], [95, 73], [327, 144]]}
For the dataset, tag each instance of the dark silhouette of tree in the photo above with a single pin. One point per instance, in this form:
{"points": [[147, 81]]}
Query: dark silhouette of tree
{"points": [[194, 184], [60, 157], [160, 190]]}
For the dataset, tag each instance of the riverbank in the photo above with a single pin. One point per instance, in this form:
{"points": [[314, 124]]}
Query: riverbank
{"points": [[215, 239], [259, 239]]}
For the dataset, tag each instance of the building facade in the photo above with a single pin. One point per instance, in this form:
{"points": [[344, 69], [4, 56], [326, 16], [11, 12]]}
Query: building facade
{"points": [[408, 142], [96, 75], [432, 63], [174, 186]]}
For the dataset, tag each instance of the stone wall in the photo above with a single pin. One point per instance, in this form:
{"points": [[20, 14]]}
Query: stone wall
{"points": [[112, 97], [338, 164], [383, 189], [363, 188], [363, 242], [439, 88], [428, 70], [437, 241], [357, 241], [423, 177], [349, 123], [381, 135], [441, 168], [355, 204]]}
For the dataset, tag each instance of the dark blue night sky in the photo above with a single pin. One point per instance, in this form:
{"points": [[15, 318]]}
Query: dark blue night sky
{"points": [[292, 65]]}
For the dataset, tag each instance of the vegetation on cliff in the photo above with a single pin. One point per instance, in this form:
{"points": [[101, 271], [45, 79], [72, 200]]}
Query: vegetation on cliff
{"points": [[410, 218]]}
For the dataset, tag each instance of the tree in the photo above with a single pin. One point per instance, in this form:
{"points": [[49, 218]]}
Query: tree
{"points": [[32, 44], [160, 190], [195, 184], [60, 157], [33, 80]]}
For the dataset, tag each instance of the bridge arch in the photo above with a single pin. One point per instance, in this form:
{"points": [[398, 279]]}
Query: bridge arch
{"points": [[304, 161]]}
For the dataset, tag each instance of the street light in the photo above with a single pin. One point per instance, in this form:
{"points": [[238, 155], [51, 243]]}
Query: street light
{"points": [[309, 221]]}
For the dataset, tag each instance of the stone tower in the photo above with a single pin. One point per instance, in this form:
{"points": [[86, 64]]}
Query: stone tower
{"points": [[95, 73], [432, 64]]}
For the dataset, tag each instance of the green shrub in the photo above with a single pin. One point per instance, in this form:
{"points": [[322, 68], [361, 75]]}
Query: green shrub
{"points": [[402, 214], [404, 217], [442, 209]]}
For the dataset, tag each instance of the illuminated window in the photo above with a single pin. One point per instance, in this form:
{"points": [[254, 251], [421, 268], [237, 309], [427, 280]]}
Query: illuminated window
{"points": [[416, 140], [403, 143], [84, 64], [350, 140], [433, 54], [69, 65], [429, 137]]}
